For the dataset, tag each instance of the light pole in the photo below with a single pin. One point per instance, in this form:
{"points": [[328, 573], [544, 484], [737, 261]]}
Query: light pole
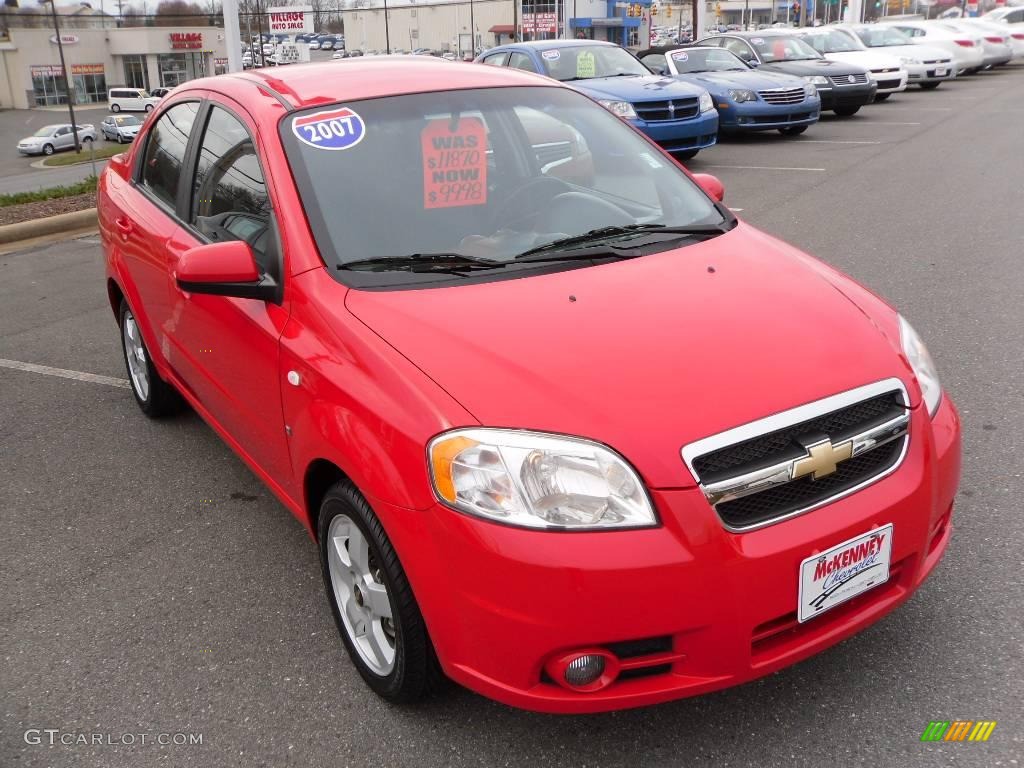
{"points": [[387, 31], [67, 78], [472, 29]]}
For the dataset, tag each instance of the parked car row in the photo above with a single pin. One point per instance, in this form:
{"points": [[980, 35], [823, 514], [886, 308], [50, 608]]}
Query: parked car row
{"points": [[684, 96]]}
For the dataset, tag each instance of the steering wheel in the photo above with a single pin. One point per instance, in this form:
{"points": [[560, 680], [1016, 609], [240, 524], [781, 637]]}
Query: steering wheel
{"points": [[527, 201]]}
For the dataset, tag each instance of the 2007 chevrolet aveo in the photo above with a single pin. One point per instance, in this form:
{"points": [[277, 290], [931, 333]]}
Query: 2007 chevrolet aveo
{"points": [[563, 429]]}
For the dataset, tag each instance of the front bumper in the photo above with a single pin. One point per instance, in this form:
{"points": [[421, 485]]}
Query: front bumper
{"points": [[847, 95], [680, 135], [930, 73], [500, 601], [890, 82], [759, 116]]}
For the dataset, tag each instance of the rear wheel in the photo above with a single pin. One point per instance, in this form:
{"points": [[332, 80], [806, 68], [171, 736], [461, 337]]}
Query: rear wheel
{"points": [[930, 86], [846, 111], [882, 96], [155, 396], [793, 130], [372, 601], [687, 154]]}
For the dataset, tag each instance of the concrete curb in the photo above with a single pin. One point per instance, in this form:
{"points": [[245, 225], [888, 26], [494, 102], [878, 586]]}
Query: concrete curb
{"points": [[49, 225]]}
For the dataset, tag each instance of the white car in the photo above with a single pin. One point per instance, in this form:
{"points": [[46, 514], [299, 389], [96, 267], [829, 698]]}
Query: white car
{"points": [[888, 73], [994, 32], [1013, 16], [926, 66], [52, 138], [965, 49], [130, 100], [994, 45]]}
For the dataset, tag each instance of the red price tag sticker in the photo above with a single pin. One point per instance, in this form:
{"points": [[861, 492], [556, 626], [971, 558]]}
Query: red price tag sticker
{"points": [[454, 163]]}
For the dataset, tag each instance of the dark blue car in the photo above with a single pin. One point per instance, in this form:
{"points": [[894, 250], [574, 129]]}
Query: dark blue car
{"points": [[746, 99], [679, 116]]}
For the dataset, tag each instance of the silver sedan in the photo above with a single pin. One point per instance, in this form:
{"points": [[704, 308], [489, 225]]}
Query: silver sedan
{"points": [[53, 138]]}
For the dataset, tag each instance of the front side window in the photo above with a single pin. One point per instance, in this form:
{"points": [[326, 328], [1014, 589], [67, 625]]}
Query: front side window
{"points": [[165, 151], [781, 48], [395, 188], [521, 61], [229, 194], [496, 59], [655, 62], [581, 62]]}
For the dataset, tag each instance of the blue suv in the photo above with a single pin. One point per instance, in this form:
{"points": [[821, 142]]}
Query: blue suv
{"points": [[679, 116]]}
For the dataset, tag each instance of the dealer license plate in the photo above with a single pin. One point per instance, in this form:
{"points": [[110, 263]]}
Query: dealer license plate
{"points": [[940, 71], [845, 571]]}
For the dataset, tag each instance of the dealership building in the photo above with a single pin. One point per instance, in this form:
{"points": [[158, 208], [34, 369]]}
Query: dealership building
{"points": [[99, 55]]}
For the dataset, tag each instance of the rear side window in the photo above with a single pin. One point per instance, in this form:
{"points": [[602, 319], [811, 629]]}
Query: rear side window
{"points": [[165, 151], [229, 194]]}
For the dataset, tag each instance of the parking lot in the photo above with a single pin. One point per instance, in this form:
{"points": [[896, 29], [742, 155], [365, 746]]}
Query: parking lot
{"points": [[153, 585]]}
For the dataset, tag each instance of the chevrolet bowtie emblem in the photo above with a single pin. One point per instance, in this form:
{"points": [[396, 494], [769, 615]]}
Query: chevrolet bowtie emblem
{"points": [[821, 459]]}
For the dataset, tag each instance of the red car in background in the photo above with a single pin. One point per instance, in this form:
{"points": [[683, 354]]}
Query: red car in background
{"points": [[562, 427]]}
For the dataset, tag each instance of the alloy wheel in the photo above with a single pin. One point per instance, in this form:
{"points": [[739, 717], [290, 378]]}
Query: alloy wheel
{"points": [[135, 353]]}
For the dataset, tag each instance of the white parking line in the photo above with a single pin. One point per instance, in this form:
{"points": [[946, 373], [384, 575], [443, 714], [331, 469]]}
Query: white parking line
{"points": [[762, 168], [831, 141], [64, 373], [880, 123]]}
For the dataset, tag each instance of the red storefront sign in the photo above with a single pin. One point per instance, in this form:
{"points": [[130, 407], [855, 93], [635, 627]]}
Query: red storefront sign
{"points": [[186, 40], [540, 22]]}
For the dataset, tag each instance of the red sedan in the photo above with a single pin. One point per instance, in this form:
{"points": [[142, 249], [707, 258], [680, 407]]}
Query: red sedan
{"points": [[562, 428]]}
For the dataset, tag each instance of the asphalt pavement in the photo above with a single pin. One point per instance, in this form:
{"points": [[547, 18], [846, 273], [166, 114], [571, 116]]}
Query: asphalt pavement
{"points": [[151, 585]]}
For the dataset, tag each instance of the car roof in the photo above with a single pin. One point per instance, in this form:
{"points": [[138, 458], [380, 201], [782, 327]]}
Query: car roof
{"points": [[550, 44], [361, 77]]}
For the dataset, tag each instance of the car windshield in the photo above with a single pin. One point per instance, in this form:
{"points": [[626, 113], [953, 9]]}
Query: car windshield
{"points": [[781, 48], [46, 130], [830, 41], [582, 62], [126, 120], [485, 174], [882, 37], [706, 60]]}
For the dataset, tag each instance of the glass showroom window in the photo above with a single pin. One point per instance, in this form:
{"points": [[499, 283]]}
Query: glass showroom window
{"points": [[135, 74], [176, 68], [90, 83], [48, 86]]}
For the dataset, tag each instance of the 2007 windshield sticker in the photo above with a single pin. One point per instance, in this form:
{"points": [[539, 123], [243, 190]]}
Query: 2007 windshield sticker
{"points": [[454, 163], [332, 129]]}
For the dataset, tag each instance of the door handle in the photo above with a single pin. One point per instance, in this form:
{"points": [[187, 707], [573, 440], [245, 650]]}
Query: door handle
{"points": [[124, 225]]}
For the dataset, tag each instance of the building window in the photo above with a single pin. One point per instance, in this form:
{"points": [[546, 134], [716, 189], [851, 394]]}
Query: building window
{"points": [[176, 68], [539, 20], [48, 86], [135, 73], [90, 83], [634, 37]]}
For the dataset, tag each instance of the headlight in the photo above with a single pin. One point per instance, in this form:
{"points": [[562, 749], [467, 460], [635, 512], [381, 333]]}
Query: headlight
{"points": [[535, 480], [741, 95], [909, 60], [621, 108], [706, 102], [817, 79], [810, 90], [922, 365]]}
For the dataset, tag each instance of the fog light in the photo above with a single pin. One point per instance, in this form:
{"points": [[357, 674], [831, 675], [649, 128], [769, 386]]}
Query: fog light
{"points": [[583, 670]]}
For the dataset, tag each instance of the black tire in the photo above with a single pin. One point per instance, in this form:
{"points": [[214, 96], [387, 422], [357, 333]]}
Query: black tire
{"points": [[149, 108], [846, 111], [115, 107], [47, 149], [86, 140], [881, 97], [686, 154], [161, 399], [120, 139], [793, 130], [930, 86], [416, 672]]}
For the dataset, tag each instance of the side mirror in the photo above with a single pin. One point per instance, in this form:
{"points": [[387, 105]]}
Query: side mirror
{"points": [[710, 184], [224, 269]]}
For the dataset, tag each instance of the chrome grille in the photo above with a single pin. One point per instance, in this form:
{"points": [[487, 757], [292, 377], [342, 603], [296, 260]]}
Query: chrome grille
{"points": [[840, 80], [801, 459], [782, 95], [659, 111]]}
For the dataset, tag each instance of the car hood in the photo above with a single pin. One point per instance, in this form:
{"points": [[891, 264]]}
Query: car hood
{"points": [[642, 88], [649, 354], [867, 59], [717, 81], [814, 67]]}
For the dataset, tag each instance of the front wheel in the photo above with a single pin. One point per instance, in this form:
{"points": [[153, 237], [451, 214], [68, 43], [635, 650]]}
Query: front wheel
{"points": [[930, 86], [793, 130], [687, 154], [882, 96], [48, 149], [155, 396], [846, 111], [149, 107], [115, 107], [372, 601]]}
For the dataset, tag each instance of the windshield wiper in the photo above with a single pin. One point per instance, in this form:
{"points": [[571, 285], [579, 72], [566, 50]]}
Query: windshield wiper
{"points": [[421, 262], [606, 236]]}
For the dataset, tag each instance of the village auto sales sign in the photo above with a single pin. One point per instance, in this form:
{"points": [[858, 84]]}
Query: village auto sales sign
{"points": [[291, 19]]}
